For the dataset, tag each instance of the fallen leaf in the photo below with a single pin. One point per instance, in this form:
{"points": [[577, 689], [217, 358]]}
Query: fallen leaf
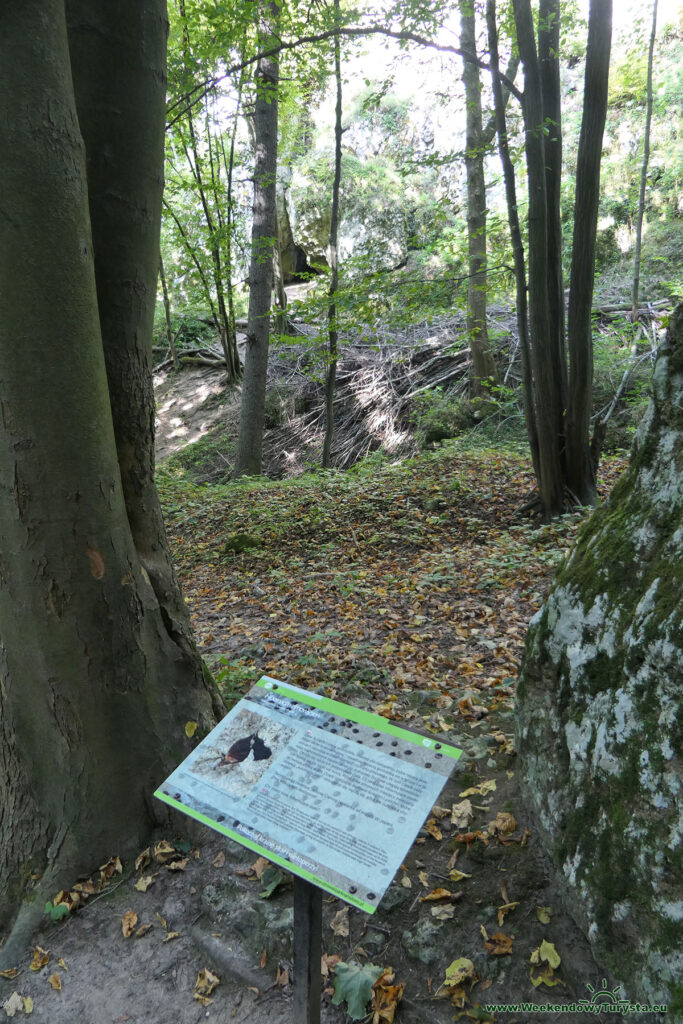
{"points": [[340, 922], [10, 973], [503, 823], [55, 982], [40, 958], [460, 970], [204, 986], [505, 909], [406, 883], [169, 936], [128, 922], [264, 957], [462, 814], [162, 921], [439, 813], [143, 883], [219, 860], [499, 944], [354, 984], [544, 914], [282, 976], [259, 866], [436, 894], [14, 1003], [62, 963], [424, 878], [271, 878], [457, 876], [484, 933], [111, 868], [143, 929], [443, 912], [190, 729], [163, 851], [28, 1004], [484, 787], [143, 859], [433, 829], [549, 954], [385, 998], [177, 865], [328, 962]]}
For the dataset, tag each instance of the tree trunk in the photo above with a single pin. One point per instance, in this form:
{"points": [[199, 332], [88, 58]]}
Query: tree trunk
{"points": [[483, 364], [643, 172], [515, 238], [580, 465], [92, 710], [547, 371], [333, 334], [167, 315], [264, 228]]}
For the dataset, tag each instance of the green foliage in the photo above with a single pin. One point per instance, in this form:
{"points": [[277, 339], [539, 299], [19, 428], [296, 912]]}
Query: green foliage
{"points": [[56, 913], [353, 985], [271, 879]]}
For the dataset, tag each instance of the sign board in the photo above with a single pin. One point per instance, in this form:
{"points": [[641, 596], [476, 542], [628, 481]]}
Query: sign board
{"points": [[332, 793]]}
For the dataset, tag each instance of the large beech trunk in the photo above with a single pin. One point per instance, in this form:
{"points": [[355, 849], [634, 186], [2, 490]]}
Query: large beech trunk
{"points": [[98, 674]]}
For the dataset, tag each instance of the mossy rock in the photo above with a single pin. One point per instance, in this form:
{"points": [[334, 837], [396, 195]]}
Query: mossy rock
{"points": [[598, 716]]}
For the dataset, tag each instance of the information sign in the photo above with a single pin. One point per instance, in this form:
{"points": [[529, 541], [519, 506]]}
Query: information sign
{"points": [[332, 793]]}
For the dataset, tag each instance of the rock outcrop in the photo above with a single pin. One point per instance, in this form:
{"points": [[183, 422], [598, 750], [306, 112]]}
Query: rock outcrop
{"points": [[599, 710]]}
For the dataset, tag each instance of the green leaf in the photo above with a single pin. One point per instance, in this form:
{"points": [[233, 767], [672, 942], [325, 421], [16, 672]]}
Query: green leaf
{"points": [[56, 913], [270, 879], [354, 984], [459, 971]]}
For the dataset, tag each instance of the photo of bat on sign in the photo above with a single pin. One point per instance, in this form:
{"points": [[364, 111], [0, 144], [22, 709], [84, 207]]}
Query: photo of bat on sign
{"points": [[241, 753]]}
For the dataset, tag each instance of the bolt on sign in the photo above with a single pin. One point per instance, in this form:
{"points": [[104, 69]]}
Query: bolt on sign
{"points": [[334, 794]]}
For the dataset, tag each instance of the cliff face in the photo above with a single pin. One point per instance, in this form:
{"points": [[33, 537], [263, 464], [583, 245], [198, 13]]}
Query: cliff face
{"points": [[598, 719]]}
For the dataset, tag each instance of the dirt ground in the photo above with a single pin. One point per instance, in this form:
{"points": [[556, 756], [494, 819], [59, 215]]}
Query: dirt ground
{"points": [[205, 910]]}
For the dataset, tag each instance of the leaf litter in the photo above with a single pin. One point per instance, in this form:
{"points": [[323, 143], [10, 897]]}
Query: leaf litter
{"points": [[359, 585]]}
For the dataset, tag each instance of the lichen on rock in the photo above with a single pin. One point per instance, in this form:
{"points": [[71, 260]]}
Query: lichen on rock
{"points": [[598, 718]]}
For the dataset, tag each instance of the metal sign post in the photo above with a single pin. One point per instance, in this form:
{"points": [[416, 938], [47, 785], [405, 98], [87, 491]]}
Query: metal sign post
{"points": [[308, 923]]}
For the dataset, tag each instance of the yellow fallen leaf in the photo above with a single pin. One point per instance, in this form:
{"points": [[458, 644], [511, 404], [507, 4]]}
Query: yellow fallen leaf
{"points": [[169, 936], [10, 973], [28, 1004], [259, 866], [433, 829], [424, 878], [204, 986], [162, 922], [219, 860], [56, 982], [459, 971], [436, 894], [40, 958], [128, 922], [504, 823], [457, 876], [163, 851], [439, 812], [406, 883], [143, 883], [190, 729], [544, 914], [62, 963], [143, 929], [505, 909], [550, 954], [111, 868], [484, 933], [484, 787]]}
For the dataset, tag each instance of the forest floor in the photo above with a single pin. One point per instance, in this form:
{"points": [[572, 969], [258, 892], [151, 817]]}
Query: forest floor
{"points": [[404, 588]]}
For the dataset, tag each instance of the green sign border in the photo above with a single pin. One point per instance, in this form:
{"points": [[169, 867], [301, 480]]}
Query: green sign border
{"points": [[268, 854], [352, 714]]}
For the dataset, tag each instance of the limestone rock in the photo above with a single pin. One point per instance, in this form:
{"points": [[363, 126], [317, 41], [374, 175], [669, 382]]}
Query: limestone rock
{"points": [[598, 718]]}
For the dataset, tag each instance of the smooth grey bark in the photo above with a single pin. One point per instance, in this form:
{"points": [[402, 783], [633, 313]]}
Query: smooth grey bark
{"points": [[263, 239], [483, 364], [581, 461], [643, 172], [332, 331], [98, 673]]}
